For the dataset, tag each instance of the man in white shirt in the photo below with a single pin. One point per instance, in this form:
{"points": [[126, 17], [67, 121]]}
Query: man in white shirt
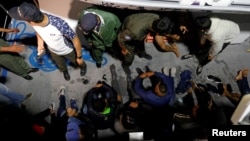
{"points": [[219, 32], [62, 42]]}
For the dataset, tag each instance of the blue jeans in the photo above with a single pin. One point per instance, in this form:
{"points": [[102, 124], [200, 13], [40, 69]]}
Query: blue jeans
{"points": [[62, 106], [243, 86], [14, 98], [73, 104]]}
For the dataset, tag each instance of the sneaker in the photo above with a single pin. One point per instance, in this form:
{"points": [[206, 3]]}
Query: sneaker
{"points": [[213, 78], [199, 70], [147, 68], [52, 106], [187, 56], [62, 90], [172, 72], [165, 70], [28, 96], [73, 104]]}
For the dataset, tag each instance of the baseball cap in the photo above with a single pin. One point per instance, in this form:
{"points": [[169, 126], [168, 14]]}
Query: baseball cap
{"points": [[88, 22], [26, 11], [72, 133]]}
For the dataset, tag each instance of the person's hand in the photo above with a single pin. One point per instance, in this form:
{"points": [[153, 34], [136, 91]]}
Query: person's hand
{"points": [[183, 29], [125, 52], [210, 57], [98, 85], [17, 48], [14, 30], [79, 61], [133, 104]]}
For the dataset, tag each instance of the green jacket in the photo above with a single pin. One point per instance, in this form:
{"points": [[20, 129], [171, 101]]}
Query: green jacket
{"points": [[108, 32]]}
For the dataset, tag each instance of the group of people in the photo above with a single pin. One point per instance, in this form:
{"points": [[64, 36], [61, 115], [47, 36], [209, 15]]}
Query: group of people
{"points": [[123, 37], [153, 109]]}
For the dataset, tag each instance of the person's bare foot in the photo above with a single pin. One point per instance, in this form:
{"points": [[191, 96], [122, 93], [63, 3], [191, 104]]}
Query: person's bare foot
{"points": [[225, 92], [245, 73], [239, 75]]}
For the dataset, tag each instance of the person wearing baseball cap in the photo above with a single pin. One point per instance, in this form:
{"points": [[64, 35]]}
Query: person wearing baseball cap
{"points": [[62, 41], [100, 29]]}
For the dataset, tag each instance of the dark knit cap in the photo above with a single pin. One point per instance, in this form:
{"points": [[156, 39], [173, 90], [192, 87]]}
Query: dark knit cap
{"points": [[88, 22]]}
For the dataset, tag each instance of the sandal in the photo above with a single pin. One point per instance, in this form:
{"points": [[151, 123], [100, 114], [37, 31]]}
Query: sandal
{"points": [[186, 56]]}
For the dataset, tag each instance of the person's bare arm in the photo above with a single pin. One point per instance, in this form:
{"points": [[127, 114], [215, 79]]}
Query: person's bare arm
{"points": [[40, 44], [8, 30], [78, 48], [12, 48], [147, 74], [172, 47]]}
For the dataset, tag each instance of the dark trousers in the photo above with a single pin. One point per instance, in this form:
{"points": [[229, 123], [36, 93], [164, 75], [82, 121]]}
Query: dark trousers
{"points": [[138, 48], [202, 54], [62, 106], [243, 86], [60, 60]]}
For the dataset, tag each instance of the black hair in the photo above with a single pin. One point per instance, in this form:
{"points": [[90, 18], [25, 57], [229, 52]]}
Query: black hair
{"points": [[39, 18], [164, 25], [99, 104], [203, 22], [162, 88], [129, 120]]}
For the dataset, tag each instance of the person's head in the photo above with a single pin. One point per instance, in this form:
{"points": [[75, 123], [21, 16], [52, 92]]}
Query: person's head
{"points": [[88, 22], [160, 89], [165, 27], [129, 120], [100, 105], [27, 12], [203, 23]]}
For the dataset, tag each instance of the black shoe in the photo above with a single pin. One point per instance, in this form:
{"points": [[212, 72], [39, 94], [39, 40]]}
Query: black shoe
{"points": [[113, 71], [126, 69], [187, 56], [213, 78], [229, 88], [146, 56], [98, 65], [198, 70], [66, 75], [33, 70], [139, 71], [147, 69], [83, 70], [28, 77], [220, 89], [212, 88]]}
